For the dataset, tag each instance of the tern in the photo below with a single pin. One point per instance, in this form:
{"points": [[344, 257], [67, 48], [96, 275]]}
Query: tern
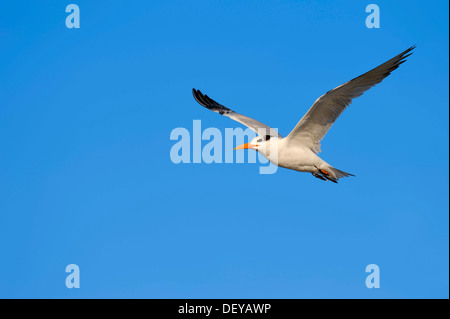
{"points": [[299, 150]]}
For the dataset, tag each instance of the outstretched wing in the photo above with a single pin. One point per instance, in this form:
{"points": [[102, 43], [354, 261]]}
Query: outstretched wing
{"points": [[327, 108], [212, 105]]}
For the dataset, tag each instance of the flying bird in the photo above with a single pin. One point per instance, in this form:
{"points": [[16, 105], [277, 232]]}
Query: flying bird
{"points": [[299, 150]]}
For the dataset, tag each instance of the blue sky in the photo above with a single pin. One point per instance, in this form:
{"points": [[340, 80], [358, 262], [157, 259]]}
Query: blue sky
{"points": [[86, 176]]}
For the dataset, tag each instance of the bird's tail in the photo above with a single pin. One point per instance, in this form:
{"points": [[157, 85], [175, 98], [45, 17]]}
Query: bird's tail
{"points": [[339, 174], [332, 174]]}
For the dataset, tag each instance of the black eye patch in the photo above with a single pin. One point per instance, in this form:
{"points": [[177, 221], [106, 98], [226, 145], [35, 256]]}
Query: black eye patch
{"points": [[266, 138]]}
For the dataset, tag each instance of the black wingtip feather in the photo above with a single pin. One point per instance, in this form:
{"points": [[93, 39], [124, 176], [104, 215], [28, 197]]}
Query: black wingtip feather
{"points": [[400, 59], [209, 103], [406, 54]]}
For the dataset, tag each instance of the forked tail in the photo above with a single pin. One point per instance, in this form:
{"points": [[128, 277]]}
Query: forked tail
{"points": [[331, 174]]}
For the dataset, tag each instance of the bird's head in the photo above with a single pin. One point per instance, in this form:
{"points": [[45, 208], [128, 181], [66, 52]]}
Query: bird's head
{"points": [[261, 143]]}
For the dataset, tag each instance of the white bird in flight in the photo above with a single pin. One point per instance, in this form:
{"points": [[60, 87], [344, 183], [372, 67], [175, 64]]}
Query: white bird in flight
{"points": [[299, 150]]}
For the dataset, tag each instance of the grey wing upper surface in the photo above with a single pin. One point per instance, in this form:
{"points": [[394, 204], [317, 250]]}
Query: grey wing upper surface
{"points": [[327, 108], [212, 105]]}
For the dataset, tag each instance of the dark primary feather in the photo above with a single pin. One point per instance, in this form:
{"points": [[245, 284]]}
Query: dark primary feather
{"points": [[209, 103]]}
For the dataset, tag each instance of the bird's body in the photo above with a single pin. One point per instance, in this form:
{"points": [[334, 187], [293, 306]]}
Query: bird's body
{"points": [[298, 157], [299, 150]]}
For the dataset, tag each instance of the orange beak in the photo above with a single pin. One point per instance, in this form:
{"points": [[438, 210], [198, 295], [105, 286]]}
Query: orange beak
{"points": [[245, 146]]}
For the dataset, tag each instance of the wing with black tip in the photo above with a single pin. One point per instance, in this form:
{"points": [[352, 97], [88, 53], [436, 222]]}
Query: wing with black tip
{"points": [[212, 105], [327, 108]]}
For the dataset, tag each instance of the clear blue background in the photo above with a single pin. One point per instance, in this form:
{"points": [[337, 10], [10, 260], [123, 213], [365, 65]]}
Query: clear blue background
{"points": [[86, 176]]}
